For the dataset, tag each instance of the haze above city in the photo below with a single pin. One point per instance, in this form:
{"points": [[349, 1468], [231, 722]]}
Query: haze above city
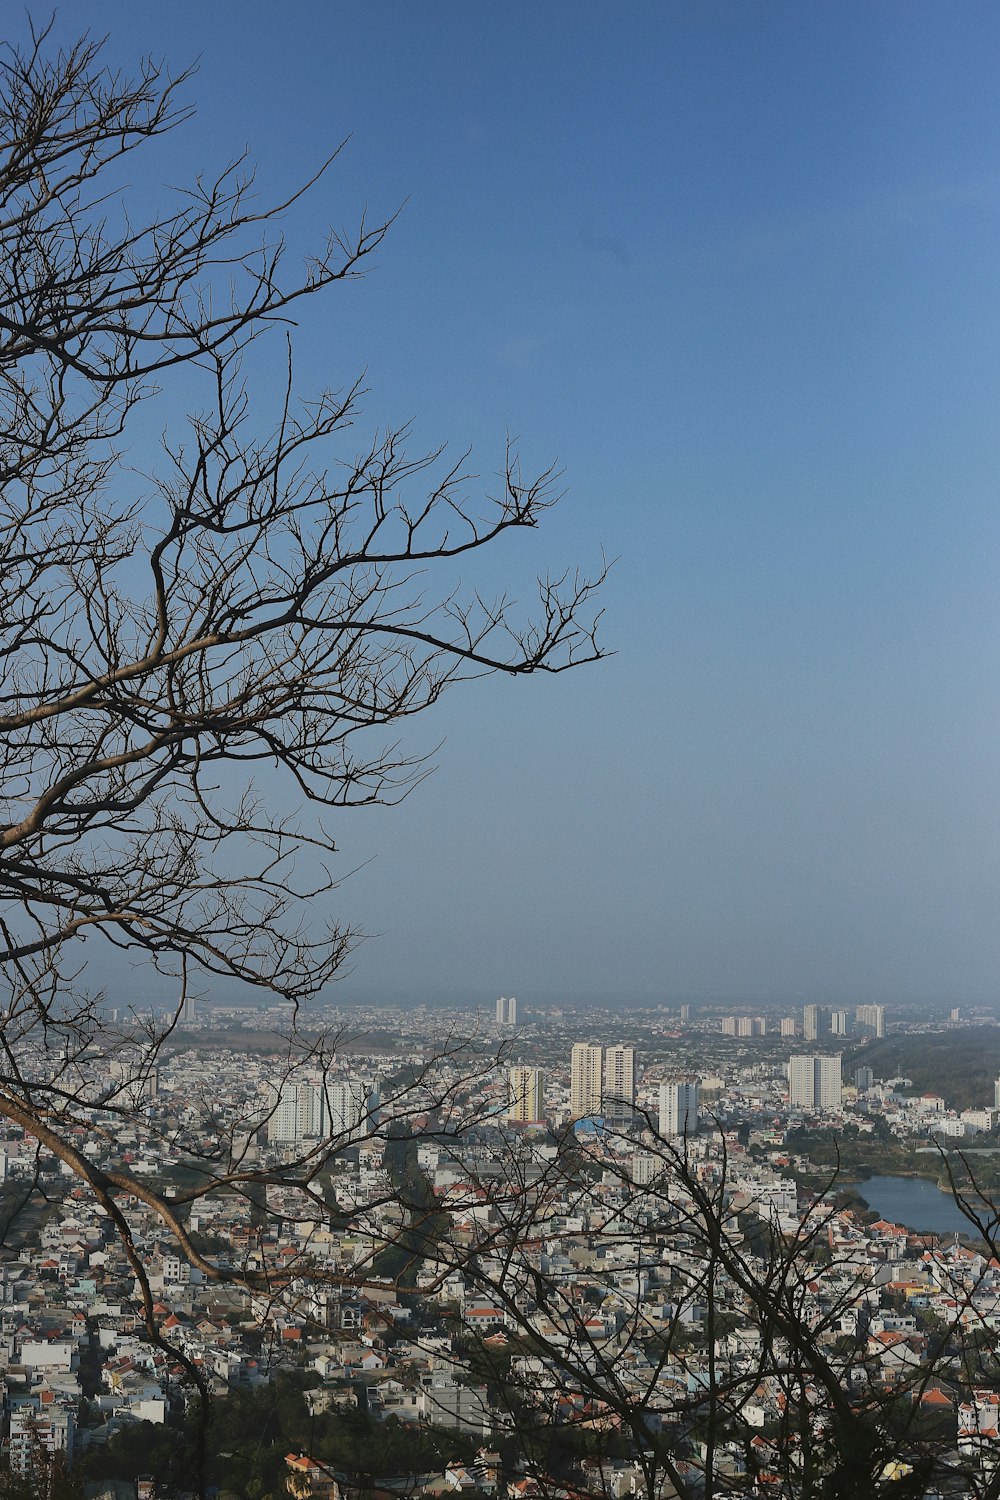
{"points": [[734, 270]]}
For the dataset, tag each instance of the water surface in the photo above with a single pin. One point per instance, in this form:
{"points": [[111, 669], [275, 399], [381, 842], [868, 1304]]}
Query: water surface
{"points": [[915, 1203]]}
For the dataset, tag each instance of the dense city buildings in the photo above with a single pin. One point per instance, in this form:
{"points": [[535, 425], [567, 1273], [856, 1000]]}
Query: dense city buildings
{"points": [[528, 1192]]}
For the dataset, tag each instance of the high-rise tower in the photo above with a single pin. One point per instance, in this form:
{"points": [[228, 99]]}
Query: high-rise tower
{"points": [[678, 1109], [814, 1083], [526, 1095], [585, 1080], [619, 1083]]}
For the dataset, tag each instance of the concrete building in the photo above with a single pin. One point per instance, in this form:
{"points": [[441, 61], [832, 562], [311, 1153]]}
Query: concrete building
{"points": [[678, 1109], [586, 1081], [618, 1102], [870, 1018], [351, 1107], [840, 1022], [525, 1095], [789, 1026], [814, 1083], [507, 1011], [815, 1022], [34, 1426], [320, 1110]]}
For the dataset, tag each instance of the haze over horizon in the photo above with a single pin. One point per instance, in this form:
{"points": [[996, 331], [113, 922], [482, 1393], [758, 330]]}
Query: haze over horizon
{"points": [[734, 269]]}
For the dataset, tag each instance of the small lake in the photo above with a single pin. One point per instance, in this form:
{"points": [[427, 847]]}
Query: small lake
{"points": [[915, 1203]]}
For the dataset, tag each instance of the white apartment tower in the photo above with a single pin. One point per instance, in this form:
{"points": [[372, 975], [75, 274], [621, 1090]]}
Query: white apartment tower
{"points": [[870, 1018], [678, 1109], [525, 1095], [353, 1108], [507, 1011], [814, 1083], [585, 1080], [619, 1083], [300, 1111]]}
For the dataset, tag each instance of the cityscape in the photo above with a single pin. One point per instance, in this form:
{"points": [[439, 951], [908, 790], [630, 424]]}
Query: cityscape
{"points": [[500, 751], [476, 1225]]}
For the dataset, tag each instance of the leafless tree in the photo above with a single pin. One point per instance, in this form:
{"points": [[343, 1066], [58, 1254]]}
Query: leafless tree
{"points": [[268, 596]]}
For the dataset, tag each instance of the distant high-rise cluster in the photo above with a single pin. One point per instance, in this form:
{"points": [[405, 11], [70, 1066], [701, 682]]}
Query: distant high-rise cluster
{"points": [[744, 1026], [678, 1109], [814, 1083], [525, 1095], [602, 1083], [819, 1021], [507, 1011]]}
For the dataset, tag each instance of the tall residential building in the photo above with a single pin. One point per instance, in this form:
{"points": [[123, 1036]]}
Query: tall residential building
{"points": [[815, 1022], [996, 1094], [870, 1018], [814, 1083], [729, 1025], [789, 1026], [685, 1012], [585, 1080], [525, 1095], [678, 1109], [840, 1022], [352, 1107], [618, 1102], [299, 1111], [507, 1011]]}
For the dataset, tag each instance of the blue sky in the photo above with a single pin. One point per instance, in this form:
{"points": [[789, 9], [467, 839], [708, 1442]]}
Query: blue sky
{"points": [[734, 267]]}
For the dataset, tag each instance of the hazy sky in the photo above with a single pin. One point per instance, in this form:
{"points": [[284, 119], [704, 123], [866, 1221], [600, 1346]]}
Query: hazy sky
{"points": [[734, 266]]}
